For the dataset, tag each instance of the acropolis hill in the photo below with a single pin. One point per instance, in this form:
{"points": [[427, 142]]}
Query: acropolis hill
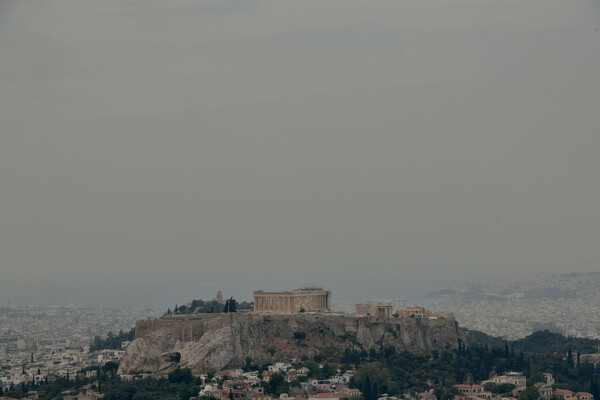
{"points": [[212, 342]]}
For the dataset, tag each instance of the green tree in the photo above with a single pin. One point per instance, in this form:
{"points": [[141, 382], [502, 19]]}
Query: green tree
{"points": [[499, 388], [367, 388], [185, 392], [530, 393], [595, 387], [181, 375], [449, 393], [277, 385], [230, 305]]}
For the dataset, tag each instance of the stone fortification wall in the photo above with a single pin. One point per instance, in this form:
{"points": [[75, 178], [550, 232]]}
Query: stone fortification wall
{"points": [[185, 328]]}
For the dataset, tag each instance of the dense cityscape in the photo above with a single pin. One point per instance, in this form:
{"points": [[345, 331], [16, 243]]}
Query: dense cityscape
{"points": [[44, 342], [515, 306]]}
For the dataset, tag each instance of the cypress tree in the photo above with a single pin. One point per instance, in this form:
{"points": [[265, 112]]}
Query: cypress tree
{"points": [[570, 357], [595, 387], [367, 388]]}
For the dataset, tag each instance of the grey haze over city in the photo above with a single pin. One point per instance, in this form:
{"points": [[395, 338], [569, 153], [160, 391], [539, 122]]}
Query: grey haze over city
{"points": [[152, 152]]}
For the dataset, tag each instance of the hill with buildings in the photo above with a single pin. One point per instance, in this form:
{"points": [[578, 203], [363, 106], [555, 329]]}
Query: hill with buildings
{"points": [[213, 342]]}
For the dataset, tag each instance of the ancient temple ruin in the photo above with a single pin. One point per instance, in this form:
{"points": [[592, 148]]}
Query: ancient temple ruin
{"points": [[293, 301]]}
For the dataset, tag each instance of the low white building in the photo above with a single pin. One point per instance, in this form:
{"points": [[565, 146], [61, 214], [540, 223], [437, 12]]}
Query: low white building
{"points": [[279, 367]]}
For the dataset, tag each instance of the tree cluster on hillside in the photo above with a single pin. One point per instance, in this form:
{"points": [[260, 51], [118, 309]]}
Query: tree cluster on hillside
{"points": [[210, 307], [552, 342], [112, 341], [396, 372], [179, 385]]}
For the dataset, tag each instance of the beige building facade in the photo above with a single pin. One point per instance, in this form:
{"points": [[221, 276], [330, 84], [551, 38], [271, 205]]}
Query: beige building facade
{"points": [[292, 301], [514, 378], [473, 391]]}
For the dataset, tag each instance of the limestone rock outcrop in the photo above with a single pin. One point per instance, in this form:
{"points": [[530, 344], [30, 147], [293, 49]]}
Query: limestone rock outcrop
{"points": [[214, 342], [153, 353]]}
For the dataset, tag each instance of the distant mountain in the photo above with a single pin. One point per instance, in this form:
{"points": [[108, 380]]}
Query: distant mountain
{"points": [[577, 274]]}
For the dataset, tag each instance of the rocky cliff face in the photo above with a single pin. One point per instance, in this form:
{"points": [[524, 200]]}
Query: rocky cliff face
{"points": [[214, 342]]}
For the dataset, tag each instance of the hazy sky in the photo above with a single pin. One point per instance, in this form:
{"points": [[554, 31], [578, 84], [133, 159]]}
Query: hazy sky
{"points": [[152, 152]]}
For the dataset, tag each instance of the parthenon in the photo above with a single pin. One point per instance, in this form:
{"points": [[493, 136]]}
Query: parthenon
{"points": [[291, 301]]}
